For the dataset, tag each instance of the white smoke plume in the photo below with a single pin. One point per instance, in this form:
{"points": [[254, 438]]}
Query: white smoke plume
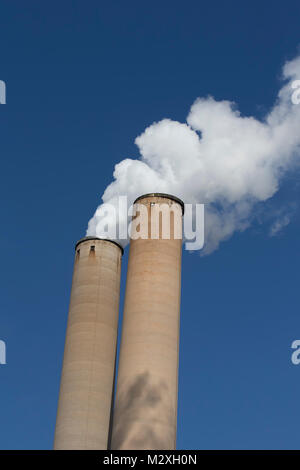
{"points": [[279, 224], [218, 157]]}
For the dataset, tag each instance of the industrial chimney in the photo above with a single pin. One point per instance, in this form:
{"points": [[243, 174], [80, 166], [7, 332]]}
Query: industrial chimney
{"points": [[145, 414], [86, 390]]}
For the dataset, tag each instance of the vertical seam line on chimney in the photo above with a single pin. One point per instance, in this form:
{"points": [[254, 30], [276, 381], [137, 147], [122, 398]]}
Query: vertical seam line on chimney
{"points": [[93, 352]]}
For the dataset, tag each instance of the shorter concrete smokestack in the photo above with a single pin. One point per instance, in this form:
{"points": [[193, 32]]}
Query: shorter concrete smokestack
{"points": [[145, 413], [86, 390]]}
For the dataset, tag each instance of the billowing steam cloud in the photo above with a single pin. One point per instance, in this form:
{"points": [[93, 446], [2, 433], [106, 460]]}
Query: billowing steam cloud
{"points": [[218, 157]]}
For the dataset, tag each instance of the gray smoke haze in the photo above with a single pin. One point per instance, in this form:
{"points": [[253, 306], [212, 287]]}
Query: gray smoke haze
{"points": [[218, 157]]}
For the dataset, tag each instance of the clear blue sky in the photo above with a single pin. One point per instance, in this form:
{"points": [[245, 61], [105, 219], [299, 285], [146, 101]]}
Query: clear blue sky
{"points": [[84, 78]]}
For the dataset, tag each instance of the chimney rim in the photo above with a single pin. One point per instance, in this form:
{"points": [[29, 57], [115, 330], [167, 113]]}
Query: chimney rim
{"points": [[84, 239], [163, 195]]}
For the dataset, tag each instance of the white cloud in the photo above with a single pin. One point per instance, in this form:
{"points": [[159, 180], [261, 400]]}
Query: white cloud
{"points": [[218, 157], [279, 225]]}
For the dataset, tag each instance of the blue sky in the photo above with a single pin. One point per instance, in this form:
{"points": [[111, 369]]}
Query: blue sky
{"points": [[83, 80]]}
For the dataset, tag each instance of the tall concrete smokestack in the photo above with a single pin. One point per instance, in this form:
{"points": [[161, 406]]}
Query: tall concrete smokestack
{"points": [[83, 417], [145, 414]]}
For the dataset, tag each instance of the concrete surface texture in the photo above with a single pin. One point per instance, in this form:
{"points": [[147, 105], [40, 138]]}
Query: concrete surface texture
{"points": [[83, 417], [145, 414]]}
